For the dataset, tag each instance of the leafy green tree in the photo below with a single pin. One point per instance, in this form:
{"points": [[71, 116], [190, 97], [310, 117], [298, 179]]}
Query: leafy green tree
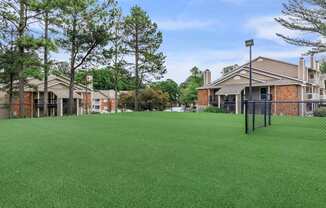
{"points": [[49, 19], [114, 57], [17, 16], [143, 41], [307, 16], [170, 87], [8, 74], [84, 28], [188, 89], [103, 79], [150, 99], [60, 68]]}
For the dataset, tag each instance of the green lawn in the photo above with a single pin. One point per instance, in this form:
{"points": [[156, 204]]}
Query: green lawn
{"points": [[139, 160]]}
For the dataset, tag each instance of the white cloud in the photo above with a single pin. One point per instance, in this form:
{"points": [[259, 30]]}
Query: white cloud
{"points": [[181, 24], [265, 27]]}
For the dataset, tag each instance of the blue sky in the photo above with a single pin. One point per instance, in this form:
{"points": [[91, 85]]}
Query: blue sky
{"points": [[210, 33]]}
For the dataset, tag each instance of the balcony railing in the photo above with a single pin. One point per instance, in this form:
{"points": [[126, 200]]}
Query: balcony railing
{"points": [[312, 96], [313, 81], [40, 103]]}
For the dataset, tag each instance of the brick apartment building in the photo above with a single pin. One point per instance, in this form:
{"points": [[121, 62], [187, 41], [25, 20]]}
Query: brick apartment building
{"points": [[103, 101], [277, 79], [58, 98]]}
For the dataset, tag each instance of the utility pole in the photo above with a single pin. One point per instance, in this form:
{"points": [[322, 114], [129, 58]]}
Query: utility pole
{"points": [[250, 44]]}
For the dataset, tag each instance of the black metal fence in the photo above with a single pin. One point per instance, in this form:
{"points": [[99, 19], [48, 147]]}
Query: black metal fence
{"points": [[258, 114], [229, 107]]}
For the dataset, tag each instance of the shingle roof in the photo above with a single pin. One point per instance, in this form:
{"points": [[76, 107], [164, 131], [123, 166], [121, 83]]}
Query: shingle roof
{"points": [[231, 90]]}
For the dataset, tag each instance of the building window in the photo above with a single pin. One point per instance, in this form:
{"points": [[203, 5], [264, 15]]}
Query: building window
{"points": [[309, 90], [263, 93]]}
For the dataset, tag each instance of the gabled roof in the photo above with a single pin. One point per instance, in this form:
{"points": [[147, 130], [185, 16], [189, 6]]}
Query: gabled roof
{"points": [[261, 72], [32, 82]]}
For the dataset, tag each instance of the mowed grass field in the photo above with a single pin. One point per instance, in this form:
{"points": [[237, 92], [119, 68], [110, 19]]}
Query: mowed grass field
{"points": [[164, 160]]}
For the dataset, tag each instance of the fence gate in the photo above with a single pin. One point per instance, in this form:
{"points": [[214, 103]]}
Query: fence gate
{"points": [[258, 113]]}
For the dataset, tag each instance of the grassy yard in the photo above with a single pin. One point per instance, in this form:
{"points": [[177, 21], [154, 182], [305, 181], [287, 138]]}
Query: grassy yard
{"points": [[139, 160]]}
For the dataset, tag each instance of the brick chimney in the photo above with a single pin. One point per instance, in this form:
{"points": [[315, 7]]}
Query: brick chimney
{"points": [[302, 70], [312, 62], [89, 81], [207, 77]]}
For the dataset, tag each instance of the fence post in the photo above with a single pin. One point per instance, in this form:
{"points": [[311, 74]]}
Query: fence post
{"points": [[246, 115], [270, 114], [253, 115], [265, 113]]}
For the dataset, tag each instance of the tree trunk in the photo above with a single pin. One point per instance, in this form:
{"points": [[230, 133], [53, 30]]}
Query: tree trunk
{"points": [[46, 67], [21, 94], [21, 31], [136, 70], [116, 102], [86, 101], [116, 75], [71, 102], [11, 94]]}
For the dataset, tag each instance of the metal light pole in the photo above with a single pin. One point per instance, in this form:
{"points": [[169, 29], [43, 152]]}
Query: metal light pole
{"points": [[250, 43]]}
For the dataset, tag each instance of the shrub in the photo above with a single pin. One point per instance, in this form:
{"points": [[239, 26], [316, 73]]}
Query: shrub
{"points": [[320, 112], [149, 100], [212, 109]]}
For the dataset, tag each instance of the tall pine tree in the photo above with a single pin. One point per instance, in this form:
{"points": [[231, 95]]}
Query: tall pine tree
{"points": [[19, 15], [85, 30], [48, 19], [143, 41], [114, 57], [306, 16]]}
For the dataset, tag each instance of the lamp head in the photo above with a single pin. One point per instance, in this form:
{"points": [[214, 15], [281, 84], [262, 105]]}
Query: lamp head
{"points": [[250, 43]]}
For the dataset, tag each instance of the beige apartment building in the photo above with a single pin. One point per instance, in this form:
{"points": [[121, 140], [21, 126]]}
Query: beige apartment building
{"points": [[277, 79]]}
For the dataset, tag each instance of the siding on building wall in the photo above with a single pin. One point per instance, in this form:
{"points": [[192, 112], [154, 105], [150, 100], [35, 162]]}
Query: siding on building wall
{"points": [[202, 99], [4, 111], [286, 93], [28, 103], [104, 105], [276, 67]]}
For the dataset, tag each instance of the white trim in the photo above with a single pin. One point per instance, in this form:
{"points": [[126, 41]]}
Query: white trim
{"points": [[258, 80], [236, 104], [263, 73]]}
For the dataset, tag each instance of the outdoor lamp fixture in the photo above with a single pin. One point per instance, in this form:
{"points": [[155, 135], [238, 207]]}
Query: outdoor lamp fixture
{"points": [[250, 43]]}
